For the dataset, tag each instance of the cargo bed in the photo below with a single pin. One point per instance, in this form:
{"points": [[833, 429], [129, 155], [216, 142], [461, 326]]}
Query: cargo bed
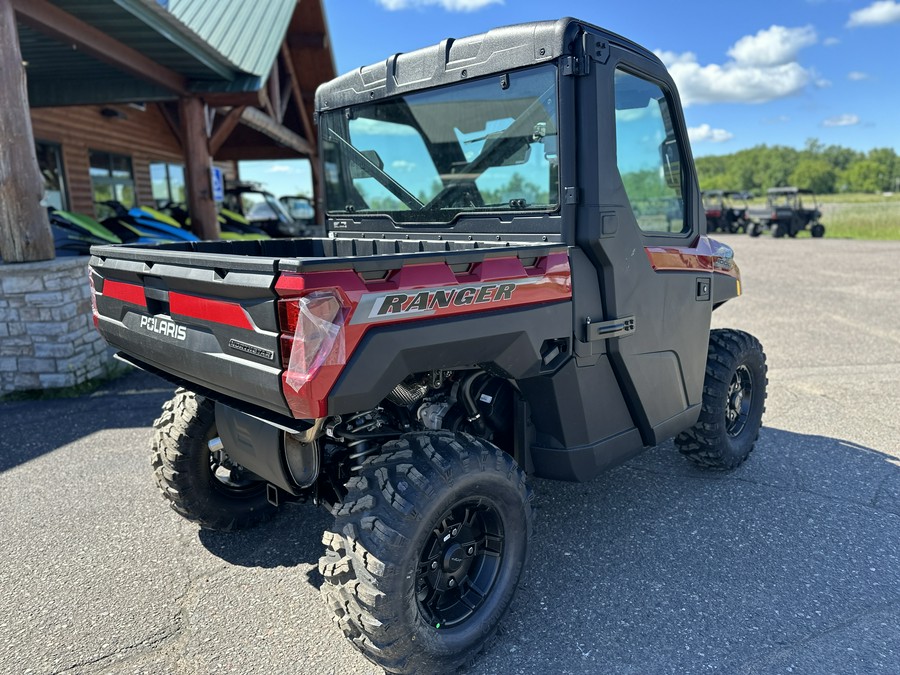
{"points": [[206, 313]]}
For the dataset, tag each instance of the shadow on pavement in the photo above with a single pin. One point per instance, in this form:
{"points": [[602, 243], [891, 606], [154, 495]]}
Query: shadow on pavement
{"points": [[294, 537], [659, 566], [31, 429]]}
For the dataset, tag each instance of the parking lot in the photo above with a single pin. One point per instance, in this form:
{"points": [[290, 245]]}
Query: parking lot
{"points": [[789, 564]]}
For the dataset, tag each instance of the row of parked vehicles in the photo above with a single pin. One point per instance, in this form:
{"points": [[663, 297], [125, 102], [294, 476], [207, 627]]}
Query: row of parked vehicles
{"points": [[787, 212], [248, 212]]}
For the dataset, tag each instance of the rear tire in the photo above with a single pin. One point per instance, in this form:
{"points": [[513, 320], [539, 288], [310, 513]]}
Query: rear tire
{"points": [[427, 550], [734, 400], [778, 230], [754, 229], [817, 230], [200, 486]]}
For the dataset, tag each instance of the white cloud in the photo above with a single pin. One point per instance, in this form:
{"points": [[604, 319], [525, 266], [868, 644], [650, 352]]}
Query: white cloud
{"points": [[403, 165], [763, 67], [280, 168], [831, 41], [846, 120], [705, 133], [734, 82], [449, 5], [773, 46], [857, 75], [876, 14]]}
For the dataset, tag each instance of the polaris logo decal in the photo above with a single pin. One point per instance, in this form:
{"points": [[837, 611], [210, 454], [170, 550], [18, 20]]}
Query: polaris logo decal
{"points": [[253, 350], [402, 304], [163, 327]]}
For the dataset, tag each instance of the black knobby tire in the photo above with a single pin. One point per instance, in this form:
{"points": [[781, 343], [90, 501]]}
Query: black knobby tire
{"points": [[191, 478], [779, 230], [754, 229], [817, 230], [432, 507], [734, 400]]}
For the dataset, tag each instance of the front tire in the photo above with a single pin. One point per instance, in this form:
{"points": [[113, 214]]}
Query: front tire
{"points": [[427, 550], [817, 230], [200, 485], [734, 400], [754, 229]]}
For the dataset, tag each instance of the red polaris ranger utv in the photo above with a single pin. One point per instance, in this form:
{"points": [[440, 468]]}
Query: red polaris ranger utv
{"points": [[504, 291]]}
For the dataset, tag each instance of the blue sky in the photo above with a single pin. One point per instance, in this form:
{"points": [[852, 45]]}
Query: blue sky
{"points": [[767, 71]]}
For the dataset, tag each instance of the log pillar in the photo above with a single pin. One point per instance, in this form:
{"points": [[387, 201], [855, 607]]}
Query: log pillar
{"points": [[197, 165], [24, 229]]}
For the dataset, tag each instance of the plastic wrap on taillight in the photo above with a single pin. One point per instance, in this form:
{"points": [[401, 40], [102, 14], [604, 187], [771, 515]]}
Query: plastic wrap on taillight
{"points": [[94, 311], [311, 335]]}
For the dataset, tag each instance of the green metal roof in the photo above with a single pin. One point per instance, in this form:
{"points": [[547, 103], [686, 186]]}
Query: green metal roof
{"points": [[247, 33], [218, 45]]}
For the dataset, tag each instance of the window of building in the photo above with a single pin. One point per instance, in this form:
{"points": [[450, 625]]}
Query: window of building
{"points": [[168, 183], [648, 155], [112, 180], [49, 157]]}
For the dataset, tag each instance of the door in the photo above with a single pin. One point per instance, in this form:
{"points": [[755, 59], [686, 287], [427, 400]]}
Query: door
{"points": [[649, 263]]}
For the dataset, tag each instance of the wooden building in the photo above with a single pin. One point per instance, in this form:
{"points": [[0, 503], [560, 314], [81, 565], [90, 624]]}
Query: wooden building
{"points": [[135, 100]]}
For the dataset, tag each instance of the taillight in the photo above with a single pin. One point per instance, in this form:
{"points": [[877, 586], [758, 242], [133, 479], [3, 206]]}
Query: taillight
{"points": [[312, 334]]}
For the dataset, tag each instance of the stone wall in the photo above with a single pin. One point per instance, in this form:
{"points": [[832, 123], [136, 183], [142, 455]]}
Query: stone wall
{"points": [[47, 335]]}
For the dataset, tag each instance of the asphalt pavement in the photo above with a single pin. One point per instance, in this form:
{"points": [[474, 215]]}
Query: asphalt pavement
{"points": [[791, 564]]}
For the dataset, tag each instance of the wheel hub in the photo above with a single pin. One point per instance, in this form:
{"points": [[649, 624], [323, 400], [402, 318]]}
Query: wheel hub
{"points": [[454, 557], [459, 564], [740, 397]]}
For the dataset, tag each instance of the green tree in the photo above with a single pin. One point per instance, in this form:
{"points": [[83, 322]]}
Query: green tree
{"points": [[886, 159], [815, 174], [864, 175]]}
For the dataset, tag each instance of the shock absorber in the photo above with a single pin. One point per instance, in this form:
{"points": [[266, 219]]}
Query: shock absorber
{"points": [[359, 433]]}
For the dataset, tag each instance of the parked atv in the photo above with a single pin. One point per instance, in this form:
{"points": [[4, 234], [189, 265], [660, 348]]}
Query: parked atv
{"points": [[262, 210], [726, 211], [788, 211]]}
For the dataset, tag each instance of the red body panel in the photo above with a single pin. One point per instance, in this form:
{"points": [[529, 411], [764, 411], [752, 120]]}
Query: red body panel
{"points": [[703, 257], [434, 289]]}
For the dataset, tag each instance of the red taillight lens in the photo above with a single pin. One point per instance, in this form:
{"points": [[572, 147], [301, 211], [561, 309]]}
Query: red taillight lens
{"points": [[311, 334]]}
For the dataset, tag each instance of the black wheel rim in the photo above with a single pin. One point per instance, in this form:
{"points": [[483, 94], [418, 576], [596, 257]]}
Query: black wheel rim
{"points": [[229, 478], [740, 398], [460, 563]]}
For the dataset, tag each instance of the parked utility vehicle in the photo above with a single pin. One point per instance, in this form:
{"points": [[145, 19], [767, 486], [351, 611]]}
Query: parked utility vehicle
{"points": [[726, 211], [788, 211], [487, 306]]}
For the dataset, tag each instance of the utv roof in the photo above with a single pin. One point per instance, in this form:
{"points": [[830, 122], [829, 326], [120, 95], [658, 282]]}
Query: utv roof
{"points": [[452, 60], [788, 191], [724, 193]]}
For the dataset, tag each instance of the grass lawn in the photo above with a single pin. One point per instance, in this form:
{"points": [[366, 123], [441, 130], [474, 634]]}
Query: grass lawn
{"points": [[858, 216]]}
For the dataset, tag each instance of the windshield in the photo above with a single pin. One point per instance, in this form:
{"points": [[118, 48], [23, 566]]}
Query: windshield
{"points": [[481, 145]]}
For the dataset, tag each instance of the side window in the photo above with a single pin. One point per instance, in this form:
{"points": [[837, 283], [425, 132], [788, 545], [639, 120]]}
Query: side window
{"points": [[648, 155]]}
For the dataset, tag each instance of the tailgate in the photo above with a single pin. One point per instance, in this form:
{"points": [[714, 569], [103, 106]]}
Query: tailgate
{"points": [[200, 323]]}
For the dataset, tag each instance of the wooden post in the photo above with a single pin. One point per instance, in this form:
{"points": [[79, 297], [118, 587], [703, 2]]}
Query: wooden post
{"points": [[24, 229], [197, 164]]}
